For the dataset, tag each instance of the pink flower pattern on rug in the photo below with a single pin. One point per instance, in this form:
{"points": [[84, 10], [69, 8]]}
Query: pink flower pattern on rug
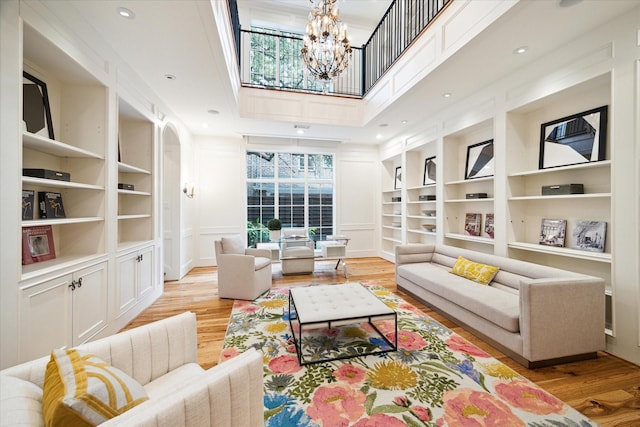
{"points": [[435, 379]]}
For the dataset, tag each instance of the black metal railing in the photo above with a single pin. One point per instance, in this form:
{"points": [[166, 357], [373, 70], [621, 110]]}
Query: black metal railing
{"points": [[403, 22], [268, 59]]}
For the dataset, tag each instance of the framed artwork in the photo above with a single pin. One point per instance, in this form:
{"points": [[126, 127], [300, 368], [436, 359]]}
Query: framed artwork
{"points": [[589, 236], [397, 183], [472, 224], [37, 244], [488, 225], [36, 111], [429, 176], [479, 160], [552, 232], [28, 200], [580, 138]]}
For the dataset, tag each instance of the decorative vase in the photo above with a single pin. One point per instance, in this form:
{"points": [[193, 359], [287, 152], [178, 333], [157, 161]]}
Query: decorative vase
{"points": [[274, 235]]}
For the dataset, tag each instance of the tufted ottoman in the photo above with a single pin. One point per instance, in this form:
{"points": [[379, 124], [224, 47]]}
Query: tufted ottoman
{"points": [[327, 306]]}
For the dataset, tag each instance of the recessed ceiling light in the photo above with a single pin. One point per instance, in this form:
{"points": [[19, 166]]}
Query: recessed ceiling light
{"points": [[214, 112], [379, 136], [520, 50], [126, 13], [300, 131], [169, 77], [205, 125], [383, 125], [404, 122], [446, 95]]}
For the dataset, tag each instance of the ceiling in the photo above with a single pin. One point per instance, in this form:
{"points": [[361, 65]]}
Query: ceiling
{"points": [[179, 37]]}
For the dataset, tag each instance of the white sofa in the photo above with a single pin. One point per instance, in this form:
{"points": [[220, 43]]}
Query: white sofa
{"points": [[162, 357], [535, 314]]}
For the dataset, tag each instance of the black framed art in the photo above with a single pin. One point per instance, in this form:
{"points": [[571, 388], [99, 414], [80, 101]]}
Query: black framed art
{"points": [[36, 111], [479, 160], [575, 139], [397, 183], [429, 176]]}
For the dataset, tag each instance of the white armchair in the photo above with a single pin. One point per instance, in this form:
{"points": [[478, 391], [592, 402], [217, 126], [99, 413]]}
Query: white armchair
{"points": [[297, 251], [243, 273]]}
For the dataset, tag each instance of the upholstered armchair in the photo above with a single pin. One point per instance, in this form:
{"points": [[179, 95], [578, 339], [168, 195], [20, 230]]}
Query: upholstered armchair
{"points": [[243, 273], [297, 251]]}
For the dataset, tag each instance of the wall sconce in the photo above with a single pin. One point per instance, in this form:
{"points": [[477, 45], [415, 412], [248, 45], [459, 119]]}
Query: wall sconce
{"points": [[189, 189]]}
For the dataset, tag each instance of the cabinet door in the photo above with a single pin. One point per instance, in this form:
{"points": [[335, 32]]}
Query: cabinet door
{"points": [[45, 316], [145, 272], [126, 287], [89, 302]]}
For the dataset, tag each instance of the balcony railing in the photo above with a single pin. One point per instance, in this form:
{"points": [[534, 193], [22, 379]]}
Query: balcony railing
{"points": [[269, 59]]}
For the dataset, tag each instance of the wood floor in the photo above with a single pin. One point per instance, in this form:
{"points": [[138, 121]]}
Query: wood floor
{"points": [[606, 389]]}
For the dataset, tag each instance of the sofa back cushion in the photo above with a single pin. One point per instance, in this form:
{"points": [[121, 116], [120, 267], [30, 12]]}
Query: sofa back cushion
{"points": [[82, 390], [512, 271]]}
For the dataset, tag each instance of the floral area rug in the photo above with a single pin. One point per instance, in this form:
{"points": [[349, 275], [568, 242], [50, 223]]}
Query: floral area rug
{"points": [[436, 378]]}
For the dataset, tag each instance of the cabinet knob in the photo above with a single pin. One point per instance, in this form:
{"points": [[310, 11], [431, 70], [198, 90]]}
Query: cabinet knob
{"points": [[80, 282], [73, 285]]}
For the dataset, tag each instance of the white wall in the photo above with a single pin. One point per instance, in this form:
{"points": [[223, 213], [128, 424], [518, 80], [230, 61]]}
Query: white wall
{"points": [[221, 192]]}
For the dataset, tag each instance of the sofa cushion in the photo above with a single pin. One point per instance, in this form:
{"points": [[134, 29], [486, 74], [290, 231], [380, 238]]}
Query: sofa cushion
{"points": [[232, 245], [495, 305], [481, 273], [20, 402], [81, 389]]}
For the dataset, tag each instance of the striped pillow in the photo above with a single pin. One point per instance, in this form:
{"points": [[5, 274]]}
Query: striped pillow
{"points": [[82, 390]]}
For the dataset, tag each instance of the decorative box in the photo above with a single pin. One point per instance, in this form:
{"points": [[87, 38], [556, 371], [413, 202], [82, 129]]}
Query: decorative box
{"points": [[554, 190], [396, 199], [47, 174], [476, 195], [123, 186], [426, 197]]}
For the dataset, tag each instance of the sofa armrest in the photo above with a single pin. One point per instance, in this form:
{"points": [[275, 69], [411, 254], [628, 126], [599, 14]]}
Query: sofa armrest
{"points": [[236, 263], [229, 394], [407, 254], [573, 309]]}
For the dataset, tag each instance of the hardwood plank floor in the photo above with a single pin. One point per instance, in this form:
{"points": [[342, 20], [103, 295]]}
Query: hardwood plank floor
{"points": [[606, 389]]}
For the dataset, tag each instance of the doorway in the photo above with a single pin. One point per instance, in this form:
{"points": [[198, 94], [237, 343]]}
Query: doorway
{"points": [[171, 209]]}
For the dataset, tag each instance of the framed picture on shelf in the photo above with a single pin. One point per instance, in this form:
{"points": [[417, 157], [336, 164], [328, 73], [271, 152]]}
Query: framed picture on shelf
{"points": [[27, 204], [488, 225], [37, 244], [479, 160], [552, 232], [50, 205], [429, 176], [580, 138], [36, 112], [472, 224], [589, 236], [397, 182]]}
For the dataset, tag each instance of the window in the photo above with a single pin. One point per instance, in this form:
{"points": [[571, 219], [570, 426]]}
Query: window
{"points": [[276, 61], [295, 188]]}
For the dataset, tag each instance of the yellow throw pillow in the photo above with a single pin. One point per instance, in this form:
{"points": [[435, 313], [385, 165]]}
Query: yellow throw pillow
{"points": [[475, 271], [82, 390]]}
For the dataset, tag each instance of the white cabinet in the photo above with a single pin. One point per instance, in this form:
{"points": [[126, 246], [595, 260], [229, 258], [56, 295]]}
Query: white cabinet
{"points": [[135, 278], [63, 311]]}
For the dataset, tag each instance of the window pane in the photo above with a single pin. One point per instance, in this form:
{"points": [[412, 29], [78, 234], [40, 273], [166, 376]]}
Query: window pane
{"points": [[260, 165]]}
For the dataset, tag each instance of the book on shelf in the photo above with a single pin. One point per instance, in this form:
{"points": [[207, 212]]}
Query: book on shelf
{"points": [[51, 206], [472, 224], [37, 244], [27, 204], [488, 225], [589, 236], [552, 232]]}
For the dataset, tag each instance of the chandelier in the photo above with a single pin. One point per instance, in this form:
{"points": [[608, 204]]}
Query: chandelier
{"points": [[326, 48]]}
